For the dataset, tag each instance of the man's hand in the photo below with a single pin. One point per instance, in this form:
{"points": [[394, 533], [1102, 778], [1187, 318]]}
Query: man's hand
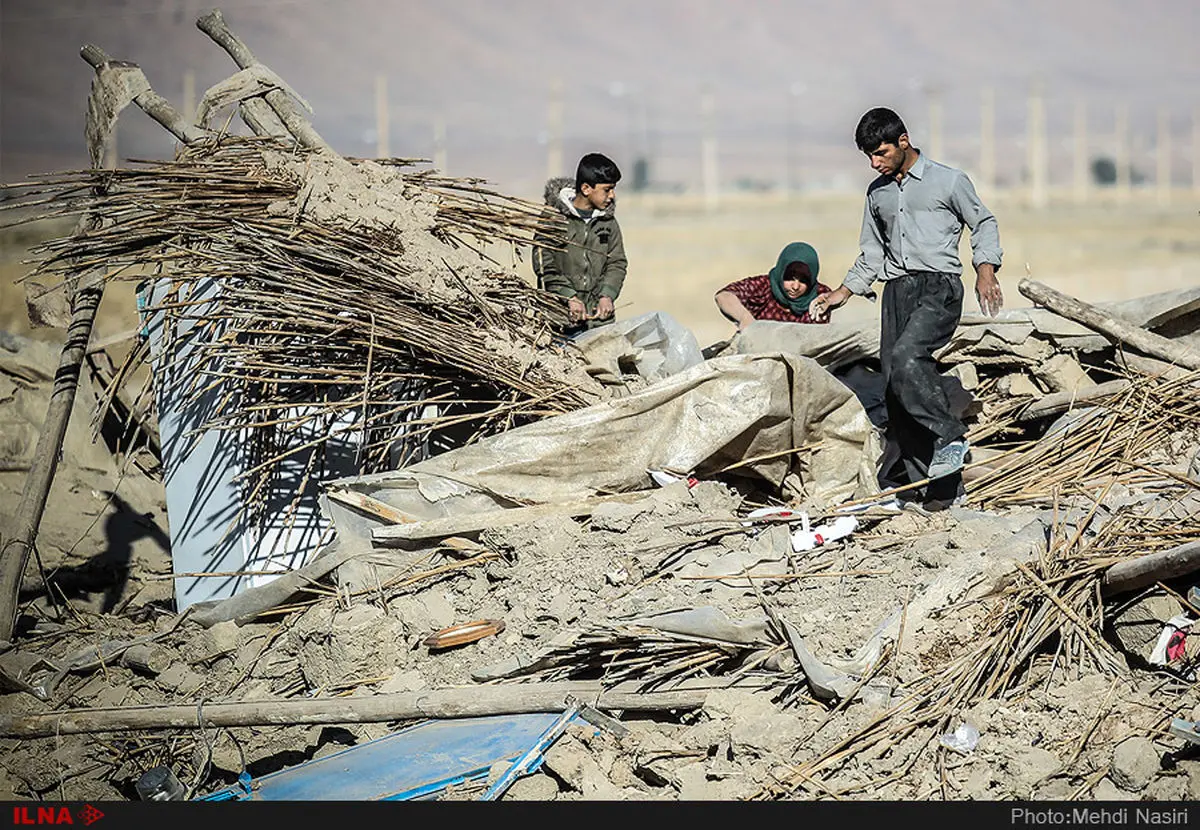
{"points": [[987, 289], [819, 308], [576, 310], [604, 308]]}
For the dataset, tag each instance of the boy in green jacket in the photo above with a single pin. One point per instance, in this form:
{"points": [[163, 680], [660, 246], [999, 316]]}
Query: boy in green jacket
{"points": [[583, 257]]}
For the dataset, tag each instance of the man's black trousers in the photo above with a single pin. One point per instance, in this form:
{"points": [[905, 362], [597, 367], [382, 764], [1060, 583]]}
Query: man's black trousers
{"points": [[920, 312]]}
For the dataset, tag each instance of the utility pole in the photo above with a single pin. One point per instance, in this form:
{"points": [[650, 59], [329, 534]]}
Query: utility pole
{"points": [[1196, 151], [797, 89], [1039, 196], [189, 96], [1121, 149], [554, 143], [935, 124], [1081, 153], [439, 143], [709, 151], [987, 140], [1162, 177], [382, 120]]}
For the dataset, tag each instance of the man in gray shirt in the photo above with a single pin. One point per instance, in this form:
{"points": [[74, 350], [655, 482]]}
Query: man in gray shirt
{"points": [[912, 222]]}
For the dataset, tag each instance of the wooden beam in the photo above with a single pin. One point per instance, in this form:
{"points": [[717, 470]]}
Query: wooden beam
{"points": [[476, 701], [377, 508], [1062, 401], [1144, 571], [1136, 337]]}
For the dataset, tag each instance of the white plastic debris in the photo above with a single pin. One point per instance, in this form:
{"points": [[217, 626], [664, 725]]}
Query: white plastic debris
{"points": [[618, 577], [1170, 645], [781, 512], [963, 739], [664, 478], [808, 538]]}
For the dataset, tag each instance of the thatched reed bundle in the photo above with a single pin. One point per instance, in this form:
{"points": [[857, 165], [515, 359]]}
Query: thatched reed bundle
{"points": [[1126, 437]]}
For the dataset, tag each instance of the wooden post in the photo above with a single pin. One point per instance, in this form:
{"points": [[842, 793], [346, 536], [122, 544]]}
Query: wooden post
{"points": [[1121, 150], [1196, 152], [14, 556], [936, 145], [1080, 154], [709, 152], [382, 118], [554, 131], [1146, 342], [1038, 161], [14, 553], [793, 118], [439, 143], [1162, 178], [987, 141]]}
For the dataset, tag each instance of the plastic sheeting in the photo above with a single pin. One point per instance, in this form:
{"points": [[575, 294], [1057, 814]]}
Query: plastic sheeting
{"points": [[725, 411], [834, 345], [652, 346]]}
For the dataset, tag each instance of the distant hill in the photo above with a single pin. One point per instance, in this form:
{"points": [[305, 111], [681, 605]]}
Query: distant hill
{"points": [[633, 71]]}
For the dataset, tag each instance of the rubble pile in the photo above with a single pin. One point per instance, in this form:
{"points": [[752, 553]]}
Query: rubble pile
{"points": [[679, 584]]}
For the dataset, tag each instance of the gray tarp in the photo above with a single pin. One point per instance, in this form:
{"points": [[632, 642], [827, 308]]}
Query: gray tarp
{"points": [[721, 412], [834, 345], [652, 346]]}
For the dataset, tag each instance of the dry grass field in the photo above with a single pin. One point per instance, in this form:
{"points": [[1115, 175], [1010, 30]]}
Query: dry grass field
{"points": [[680, 254]]}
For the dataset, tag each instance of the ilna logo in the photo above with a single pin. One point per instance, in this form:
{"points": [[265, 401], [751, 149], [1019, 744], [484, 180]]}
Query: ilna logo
{"points": [[86, 815]]}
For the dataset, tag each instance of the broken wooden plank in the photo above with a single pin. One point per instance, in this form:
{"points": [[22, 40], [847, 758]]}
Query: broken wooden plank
{"points": [[1121, 331], [476, 522], [213, 25], [377, 508], [101, 343], [454, 702], [1150, 366], [1144, 571], [1062, 401]]}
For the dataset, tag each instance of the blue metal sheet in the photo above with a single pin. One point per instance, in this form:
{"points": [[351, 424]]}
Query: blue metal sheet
{"points": [[417, 762]]}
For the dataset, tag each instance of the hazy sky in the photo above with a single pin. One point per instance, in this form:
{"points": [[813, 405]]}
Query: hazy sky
{"points": [[781, 74]]}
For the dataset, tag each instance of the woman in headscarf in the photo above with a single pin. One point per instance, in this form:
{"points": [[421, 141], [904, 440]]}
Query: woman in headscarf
{"points": [[783, 294]]}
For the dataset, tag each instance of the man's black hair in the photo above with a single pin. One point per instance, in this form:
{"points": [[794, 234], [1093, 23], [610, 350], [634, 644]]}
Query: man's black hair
{"points": [[879, 126], [594, 169]]}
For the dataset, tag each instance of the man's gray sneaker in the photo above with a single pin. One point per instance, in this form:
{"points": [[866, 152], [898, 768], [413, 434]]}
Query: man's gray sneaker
{"points": [[949, 459]]}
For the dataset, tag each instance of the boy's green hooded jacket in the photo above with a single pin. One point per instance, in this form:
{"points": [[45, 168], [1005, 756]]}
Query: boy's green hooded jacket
{"points": [[591, 261]]}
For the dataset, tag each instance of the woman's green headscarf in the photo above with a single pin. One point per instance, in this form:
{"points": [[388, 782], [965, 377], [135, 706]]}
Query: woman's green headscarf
{"points": [[796, 252]]}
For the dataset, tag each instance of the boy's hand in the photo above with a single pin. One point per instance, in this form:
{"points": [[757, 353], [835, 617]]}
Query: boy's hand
{"points": [[604, 308], [819, 308], [987, 290], [576, 310]]}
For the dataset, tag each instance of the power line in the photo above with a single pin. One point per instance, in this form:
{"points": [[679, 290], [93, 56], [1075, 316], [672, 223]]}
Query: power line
{"points": [[184, 7]]}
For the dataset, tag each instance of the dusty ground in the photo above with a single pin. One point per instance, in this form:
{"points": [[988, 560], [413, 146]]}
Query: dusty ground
{"points": [[1065, 731]]}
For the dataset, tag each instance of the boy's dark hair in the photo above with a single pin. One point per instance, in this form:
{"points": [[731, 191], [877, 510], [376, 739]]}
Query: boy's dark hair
{"points": [[879, 126], [594, 169]]}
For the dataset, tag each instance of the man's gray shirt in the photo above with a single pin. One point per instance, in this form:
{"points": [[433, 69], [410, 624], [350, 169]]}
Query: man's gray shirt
{"points": [[916, 224]]}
